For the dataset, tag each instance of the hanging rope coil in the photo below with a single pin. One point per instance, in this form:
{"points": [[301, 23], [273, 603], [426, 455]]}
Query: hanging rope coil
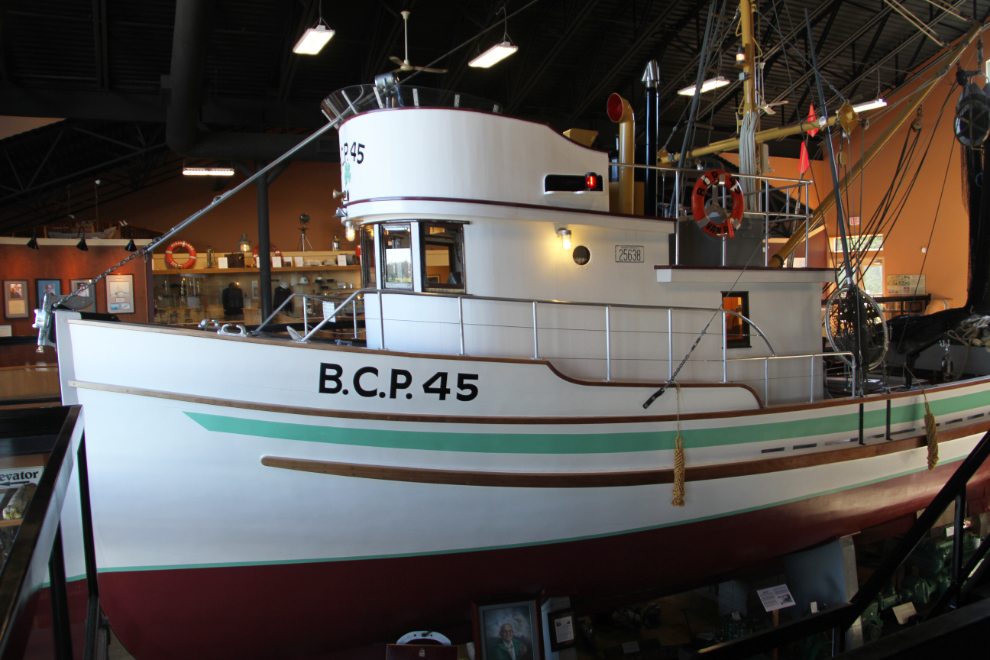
{"points": [[678, 457], [931, 433]]}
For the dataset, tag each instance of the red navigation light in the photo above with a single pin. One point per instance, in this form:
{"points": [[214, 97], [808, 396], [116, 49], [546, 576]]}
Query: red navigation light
{"points": [[589, 181]]}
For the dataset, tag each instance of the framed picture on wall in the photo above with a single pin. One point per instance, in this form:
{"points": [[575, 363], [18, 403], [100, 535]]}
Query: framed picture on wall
{"points": [[120, 294], [53, 287], [16, 301], [85, 290], [507, 630]]}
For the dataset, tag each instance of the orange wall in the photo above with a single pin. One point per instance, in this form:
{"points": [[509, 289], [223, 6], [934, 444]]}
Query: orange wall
{"points": [[301, 188], [946, 266], [64, 263]]}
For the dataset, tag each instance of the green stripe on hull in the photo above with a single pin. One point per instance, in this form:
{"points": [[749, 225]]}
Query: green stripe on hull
{"points": [[575, 442], [519, 545]]}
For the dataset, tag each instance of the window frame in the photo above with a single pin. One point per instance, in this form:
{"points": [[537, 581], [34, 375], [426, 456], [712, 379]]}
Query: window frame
{"points": [[383, 260], [423, 236], [746, 340]]}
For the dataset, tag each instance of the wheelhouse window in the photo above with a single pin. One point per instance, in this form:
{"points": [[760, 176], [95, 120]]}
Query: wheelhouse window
{"points": [[396, 247], [369, 267], [442, 256], [736, 330]]}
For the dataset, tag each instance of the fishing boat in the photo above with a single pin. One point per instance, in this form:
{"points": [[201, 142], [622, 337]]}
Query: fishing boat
{"points": [[551, 394], [509, 424]]}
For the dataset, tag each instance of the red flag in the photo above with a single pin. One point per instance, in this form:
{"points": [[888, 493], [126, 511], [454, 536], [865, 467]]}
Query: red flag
{"points": [[811, 117], [804, 164]]}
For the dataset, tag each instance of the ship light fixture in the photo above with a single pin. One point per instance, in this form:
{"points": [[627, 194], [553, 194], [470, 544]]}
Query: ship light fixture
{"points": [[565, 238], [707, 86], [498, 52], [244, 245], [349, 230], [871, 105], [220, 170], [740, 59]]}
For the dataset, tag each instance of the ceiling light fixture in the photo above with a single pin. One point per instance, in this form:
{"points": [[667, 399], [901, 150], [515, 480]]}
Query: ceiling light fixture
{"points": [[315, 38], [870, 105], [130, 247], [81, 245], [707, 86], [498, 52], [33, 243], [208, 171]]}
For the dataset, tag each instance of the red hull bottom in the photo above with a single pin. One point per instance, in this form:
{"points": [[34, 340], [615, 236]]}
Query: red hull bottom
{"points": [[306, 610]]}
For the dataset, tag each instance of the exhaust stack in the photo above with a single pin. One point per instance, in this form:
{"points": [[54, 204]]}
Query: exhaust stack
{"points": [[621, 113]]}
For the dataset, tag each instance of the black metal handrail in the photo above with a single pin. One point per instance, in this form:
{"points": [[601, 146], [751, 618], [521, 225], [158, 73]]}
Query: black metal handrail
{"points": [[841, 617], [38, 546]]}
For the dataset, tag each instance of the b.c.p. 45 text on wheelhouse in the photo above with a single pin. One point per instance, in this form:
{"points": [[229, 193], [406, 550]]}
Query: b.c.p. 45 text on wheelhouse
{"points": [[366, 382]]}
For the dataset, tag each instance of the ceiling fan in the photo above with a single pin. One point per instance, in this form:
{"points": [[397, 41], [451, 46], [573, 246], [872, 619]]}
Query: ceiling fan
{"points": [[404, 65]]}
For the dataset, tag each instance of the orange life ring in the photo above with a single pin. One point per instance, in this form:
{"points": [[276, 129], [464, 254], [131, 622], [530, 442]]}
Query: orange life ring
{"points": [[171, 260], [272, 248], [707, 223]]}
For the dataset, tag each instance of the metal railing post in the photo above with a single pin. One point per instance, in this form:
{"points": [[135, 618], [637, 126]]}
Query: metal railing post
{"points": [[807, 238], [460, 321], [812, 380], [766, 225], [677, 220], [670, 344], [536, 337], [608, 347], [305, 302], [354, 316], [766, 381], [725, 349]]}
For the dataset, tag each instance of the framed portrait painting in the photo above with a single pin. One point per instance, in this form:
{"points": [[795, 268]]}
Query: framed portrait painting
{"points": [[508, 630], [52, 287], [16, 300], [85, 290]]}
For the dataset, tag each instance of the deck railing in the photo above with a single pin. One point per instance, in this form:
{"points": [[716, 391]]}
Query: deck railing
{"points": [[607, 308], [758, 202], [38, 544]]}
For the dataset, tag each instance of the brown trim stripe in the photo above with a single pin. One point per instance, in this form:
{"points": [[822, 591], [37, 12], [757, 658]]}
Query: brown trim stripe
{"points": [[620, 479]]}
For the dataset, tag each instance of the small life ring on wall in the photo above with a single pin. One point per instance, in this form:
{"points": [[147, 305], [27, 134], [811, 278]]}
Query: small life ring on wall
{"points": [[272, 248], [170, 260], [713, 219]]}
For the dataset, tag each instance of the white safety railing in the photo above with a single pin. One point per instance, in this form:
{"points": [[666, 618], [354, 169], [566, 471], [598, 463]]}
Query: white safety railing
{"points": [[356, 297], [758, 203]]}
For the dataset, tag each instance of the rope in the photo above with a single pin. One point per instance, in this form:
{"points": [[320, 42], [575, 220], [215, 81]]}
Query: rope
{"points": [[678, 457], [931, 431]]}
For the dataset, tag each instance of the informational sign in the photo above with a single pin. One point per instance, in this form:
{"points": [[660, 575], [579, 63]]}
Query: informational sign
{"points": [[776, 598], [629, 254], [904, 612], [341, 259], [276, 262], [328, 308], [120, 294], [14, 477], [564, 629], [221, 262], [905, 285]]}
